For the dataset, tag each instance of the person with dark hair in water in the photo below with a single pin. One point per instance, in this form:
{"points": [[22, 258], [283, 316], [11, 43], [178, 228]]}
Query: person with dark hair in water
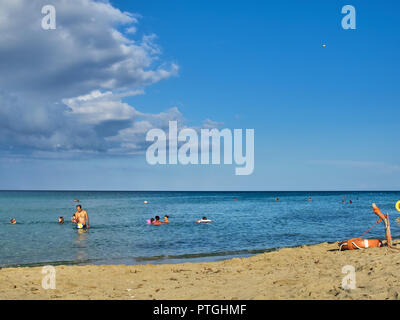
{"points": [[61, 220], [157, 222], [81, 218], [13, 221], [203, 220]]}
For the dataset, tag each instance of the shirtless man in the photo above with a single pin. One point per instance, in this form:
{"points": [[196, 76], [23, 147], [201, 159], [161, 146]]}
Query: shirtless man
{"points": [[81, 218]]}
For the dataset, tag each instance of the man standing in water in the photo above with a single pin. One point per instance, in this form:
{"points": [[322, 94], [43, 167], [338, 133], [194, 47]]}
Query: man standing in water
{"points": [[81, 218]]}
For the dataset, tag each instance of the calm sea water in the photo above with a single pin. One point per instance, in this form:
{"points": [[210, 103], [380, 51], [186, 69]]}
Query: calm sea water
{"points": [[119, 233]]}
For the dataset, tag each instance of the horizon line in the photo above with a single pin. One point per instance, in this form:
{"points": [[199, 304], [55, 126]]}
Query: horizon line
{"points": [[87, 190]]}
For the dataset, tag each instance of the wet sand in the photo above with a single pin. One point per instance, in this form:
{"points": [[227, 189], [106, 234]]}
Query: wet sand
{"points": [[307, 272]]}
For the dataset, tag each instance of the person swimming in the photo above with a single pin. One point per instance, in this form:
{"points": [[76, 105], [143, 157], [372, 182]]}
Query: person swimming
{"points": [[203, 220], [157, 222], [166, 219], [13, 221], [61, 220]]}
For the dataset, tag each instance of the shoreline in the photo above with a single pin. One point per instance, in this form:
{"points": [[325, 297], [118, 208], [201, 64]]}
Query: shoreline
{"points": [[160, 260], [303, 272]]}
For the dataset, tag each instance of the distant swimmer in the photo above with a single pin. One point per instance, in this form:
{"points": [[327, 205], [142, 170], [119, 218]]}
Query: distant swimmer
{"points": [[81, 218], [277, 199], [350, 202], [166, 219], [157, 222], [309, 199], [13, 221], [61, 220], [203, 220]]}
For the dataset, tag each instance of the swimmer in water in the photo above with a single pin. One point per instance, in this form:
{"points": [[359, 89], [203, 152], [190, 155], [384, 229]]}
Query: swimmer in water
{"points": [[81, 218], [166, 219], [13, 221], [203, 220], [61, 220], [157, 222], [277, 199]]}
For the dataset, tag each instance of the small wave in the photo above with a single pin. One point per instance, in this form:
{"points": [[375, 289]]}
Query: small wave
{"points": [[52, 263], [204, 255]]}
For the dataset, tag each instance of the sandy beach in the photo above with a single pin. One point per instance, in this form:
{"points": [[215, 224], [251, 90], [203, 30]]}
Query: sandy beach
{"points": [[306, 272]]}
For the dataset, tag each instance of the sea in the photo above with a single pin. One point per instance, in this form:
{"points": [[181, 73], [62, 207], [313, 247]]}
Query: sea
{"points": [[244, 224]]}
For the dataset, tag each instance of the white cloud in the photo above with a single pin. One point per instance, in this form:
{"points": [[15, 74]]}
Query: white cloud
{"points": [[97, 107], [210, 124], [86, 52], [131, 30], [62, 90]]}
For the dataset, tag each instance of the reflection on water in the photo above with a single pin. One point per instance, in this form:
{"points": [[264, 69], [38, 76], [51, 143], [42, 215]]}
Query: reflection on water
{"points": [[81, 244]]}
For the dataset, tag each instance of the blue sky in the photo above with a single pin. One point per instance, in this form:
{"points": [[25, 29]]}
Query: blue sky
{"points": [[325, 118]]}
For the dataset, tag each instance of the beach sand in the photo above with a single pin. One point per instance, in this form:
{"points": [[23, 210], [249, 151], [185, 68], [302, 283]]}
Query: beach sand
{"points": [[307, 272]]}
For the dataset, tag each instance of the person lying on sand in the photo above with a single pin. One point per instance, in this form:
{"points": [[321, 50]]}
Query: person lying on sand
{"points": [[203, 220], [81, 218], [13, 221]]}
